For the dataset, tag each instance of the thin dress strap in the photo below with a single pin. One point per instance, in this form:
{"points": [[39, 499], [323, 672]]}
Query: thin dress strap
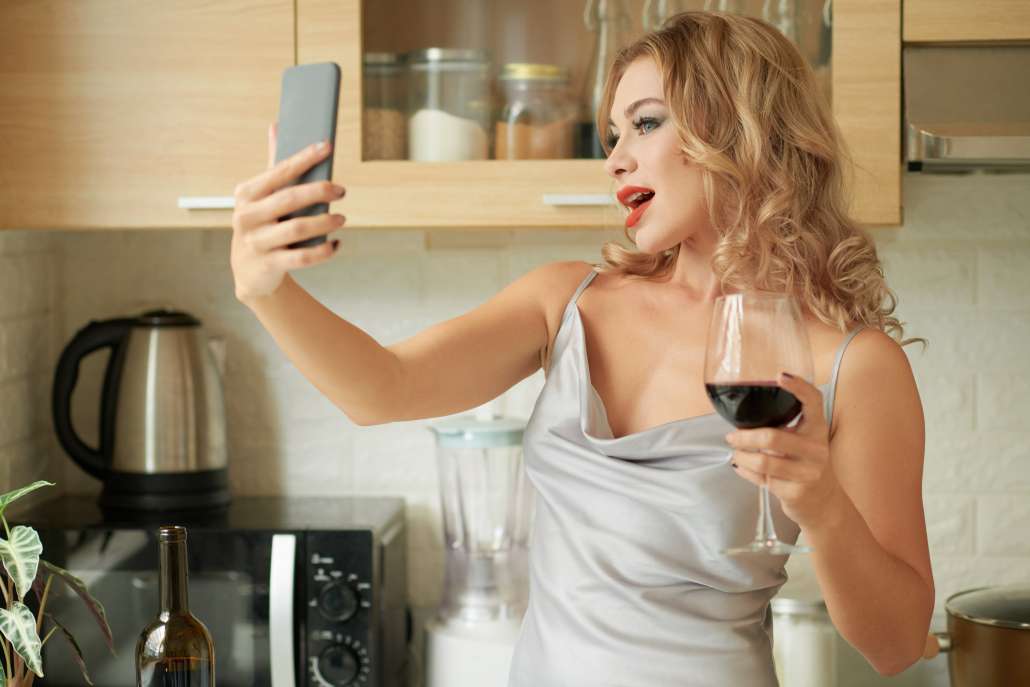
{"points": [[833, 375], [545, 354], [582, 285]]}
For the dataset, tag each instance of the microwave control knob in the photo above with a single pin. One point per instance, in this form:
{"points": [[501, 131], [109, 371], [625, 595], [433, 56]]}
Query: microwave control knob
{"points": [[337, 665], [337, 601]]}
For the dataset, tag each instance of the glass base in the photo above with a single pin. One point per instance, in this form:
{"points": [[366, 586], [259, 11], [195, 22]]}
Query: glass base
{"points": [[772, 547]]}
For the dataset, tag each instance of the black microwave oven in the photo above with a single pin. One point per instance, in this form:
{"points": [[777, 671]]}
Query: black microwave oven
{"points": [[298, 592]]}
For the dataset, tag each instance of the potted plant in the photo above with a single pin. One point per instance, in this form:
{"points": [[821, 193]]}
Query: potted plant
{"points": [[24, 570]]}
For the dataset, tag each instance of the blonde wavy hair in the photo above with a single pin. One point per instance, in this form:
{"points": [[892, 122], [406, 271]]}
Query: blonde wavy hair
{"points": [[747, 110]]}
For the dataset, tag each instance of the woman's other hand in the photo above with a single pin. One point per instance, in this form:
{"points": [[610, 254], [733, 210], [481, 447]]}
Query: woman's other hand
{"points": [[259, 254], [796, 460]]}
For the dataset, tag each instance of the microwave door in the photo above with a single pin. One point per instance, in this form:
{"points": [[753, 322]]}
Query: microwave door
{"points": [[241, 587]]}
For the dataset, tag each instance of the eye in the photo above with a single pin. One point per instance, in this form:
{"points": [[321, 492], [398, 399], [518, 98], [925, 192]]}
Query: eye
{"points": [[643, 122]]}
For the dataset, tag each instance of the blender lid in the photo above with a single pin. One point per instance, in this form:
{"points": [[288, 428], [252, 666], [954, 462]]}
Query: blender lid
{"points": [[466, 431]]}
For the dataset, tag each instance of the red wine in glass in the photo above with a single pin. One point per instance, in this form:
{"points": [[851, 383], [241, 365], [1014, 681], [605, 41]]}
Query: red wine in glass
{"points": [[747, 405], [752, 338]]}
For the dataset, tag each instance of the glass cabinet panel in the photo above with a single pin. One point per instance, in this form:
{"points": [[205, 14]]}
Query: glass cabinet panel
{"points": [[458, 80]]}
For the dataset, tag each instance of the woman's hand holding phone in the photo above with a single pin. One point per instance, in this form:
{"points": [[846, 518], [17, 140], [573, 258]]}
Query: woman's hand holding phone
{"points": [[260, 253]]}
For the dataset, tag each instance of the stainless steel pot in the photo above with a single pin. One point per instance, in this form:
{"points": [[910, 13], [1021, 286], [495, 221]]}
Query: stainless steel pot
{"points": [[988, 637]]}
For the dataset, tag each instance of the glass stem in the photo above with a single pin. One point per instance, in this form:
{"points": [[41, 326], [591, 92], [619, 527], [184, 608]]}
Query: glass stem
{"points": [[766, 531]]}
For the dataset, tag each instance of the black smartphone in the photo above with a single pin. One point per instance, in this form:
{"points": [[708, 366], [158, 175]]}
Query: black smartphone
{"points": [[307, 114]]}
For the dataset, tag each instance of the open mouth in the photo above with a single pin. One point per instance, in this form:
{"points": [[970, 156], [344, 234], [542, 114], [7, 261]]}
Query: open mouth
{"points": [[638, 199]]}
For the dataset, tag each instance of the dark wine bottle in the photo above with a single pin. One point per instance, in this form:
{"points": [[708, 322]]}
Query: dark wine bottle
{"points": [[174, 650]]}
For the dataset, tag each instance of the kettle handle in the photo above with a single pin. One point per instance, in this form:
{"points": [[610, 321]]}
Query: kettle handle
{"points": [[111, 334]]}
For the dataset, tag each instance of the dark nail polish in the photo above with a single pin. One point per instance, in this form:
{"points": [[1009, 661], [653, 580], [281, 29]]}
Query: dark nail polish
{"points": [[336, 244], [734, 465], [788, 375]]}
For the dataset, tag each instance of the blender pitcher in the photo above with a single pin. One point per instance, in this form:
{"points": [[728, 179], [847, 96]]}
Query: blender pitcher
{"points": [[486, 503]]}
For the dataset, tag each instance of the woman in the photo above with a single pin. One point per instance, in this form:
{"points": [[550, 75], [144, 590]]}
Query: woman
{"points": [[639, 484]]}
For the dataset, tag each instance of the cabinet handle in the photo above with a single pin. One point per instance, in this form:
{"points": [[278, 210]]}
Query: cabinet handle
{"points": [[578, 199], [207, 202]]}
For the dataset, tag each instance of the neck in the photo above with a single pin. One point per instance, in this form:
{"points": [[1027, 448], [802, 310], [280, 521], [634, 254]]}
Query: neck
{"points": [[173, 582], [692, 271]]}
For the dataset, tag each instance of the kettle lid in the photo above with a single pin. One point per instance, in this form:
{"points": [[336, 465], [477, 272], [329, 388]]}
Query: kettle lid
{"points": [[166, 318]]}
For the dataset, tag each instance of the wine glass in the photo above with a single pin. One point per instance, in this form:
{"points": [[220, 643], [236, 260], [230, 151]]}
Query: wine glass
{"points": [[752, 338]]}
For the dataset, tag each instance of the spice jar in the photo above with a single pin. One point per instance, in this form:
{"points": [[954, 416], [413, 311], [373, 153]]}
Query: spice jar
{"points": [[538, 119], [383, 122], [449, 111]]}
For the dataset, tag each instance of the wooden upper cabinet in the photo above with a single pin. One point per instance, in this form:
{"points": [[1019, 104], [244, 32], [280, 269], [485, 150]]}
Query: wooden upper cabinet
{"points": [[474, 194], [944, 21], [111, 110]]}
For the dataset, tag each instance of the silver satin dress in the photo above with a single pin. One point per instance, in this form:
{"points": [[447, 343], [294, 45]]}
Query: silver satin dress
{"points": [[627, 584]]}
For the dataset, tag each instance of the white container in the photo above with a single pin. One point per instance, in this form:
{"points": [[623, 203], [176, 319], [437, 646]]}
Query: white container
{"points": [[804, 643]]}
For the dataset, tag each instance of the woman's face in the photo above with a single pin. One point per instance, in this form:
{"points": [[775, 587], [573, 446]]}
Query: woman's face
{"points": [[647, 155]]}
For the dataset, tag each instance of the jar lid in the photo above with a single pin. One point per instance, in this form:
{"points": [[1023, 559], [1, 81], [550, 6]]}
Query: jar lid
{"points": [[533, 72], [466, 431], [1007, 606], [447, 55], [788, 606]]}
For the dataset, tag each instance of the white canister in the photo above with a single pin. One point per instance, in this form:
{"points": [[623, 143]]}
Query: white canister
{"points": [[804, 643]]}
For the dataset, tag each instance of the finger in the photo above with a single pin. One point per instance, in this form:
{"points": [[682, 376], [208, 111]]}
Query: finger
{"points": [[779, 441], [273, 134], [282, 173], [288, 200], [782, 468], [293, 258], [274, 236], [810, 396], [750, 475]]}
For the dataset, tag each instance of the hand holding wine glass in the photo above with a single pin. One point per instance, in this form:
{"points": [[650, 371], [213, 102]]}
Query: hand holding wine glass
{"points": [[753, 338]]}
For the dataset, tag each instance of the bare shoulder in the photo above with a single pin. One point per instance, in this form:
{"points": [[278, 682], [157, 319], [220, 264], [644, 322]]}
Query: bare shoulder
{"points": [[876, 378], [553, 284]]}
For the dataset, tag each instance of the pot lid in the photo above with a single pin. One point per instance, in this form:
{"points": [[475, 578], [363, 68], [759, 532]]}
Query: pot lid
{"points": [[469, 431], [1007, 606], [166, 318]]}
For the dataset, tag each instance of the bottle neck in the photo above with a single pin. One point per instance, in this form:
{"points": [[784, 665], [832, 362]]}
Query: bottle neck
{"points": [[173, 580]]}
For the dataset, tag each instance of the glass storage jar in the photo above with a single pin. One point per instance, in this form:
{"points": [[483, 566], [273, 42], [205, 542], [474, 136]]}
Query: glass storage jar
{"points": [[449, 112], [537, 121], [383, 124], [804, 641]]}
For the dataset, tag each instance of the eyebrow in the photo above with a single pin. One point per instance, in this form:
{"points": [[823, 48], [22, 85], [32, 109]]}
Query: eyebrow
{"points": [[634, 106]]}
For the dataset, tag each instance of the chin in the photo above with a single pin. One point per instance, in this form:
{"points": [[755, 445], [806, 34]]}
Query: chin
{"points": [[655, 242]]}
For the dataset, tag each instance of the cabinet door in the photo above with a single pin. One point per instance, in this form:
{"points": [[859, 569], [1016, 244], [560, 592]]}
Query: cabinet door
{"points": [[494, 193], [111, 110]]}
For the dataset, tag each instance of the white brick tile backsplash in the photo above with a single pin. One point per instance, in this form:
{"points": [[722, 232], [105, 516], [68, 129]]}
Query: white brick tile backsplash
{"points": [[24, 345], [1004, 275], [931, 276], [1002, 525], [954, 574], [971, 462], [948, 400], [950, 523], [977, 207], [25, 282], [1003, 399]]}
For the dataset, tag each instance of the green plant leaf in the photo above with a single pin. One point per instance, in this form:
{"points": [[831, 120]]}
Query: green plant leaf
{"points": [[19, 626], [75, 648], [3, 678], [20, 556], [79, 587], [5, 499]]}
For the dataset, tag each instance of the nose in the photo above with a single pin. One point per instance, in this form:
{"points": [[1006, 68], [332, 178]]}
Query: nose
{"points": [[619, 161]]}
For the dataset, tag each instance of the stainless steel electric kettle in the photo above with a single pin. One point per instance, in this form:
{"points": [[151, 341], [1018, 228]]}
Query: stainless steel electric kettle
{"points": [[162, 420]]}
